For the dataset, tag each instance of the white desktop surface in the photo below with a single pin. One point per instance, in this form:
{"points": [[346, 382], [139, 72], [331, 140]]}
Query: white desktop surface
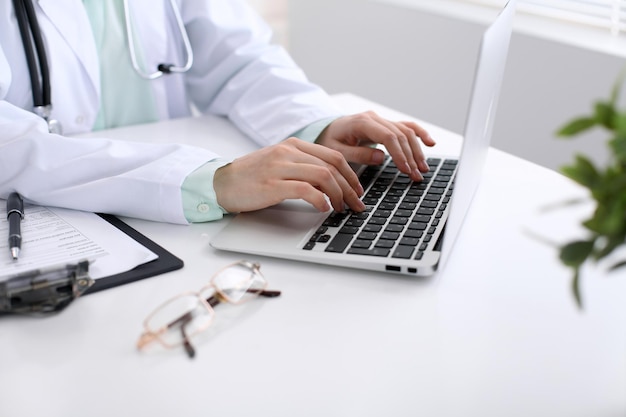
{"points": [[497, 333]]}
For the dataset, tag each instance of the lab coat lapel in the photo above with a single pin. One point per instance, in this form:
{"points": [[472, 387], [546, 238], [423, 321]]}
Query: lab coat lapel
{"points": [[71, 21]]}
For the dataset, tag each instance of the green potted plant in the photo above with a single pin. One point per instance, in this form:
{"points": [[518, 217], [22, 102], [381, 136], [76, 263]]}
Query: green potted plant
{"points": [[607, 187]]}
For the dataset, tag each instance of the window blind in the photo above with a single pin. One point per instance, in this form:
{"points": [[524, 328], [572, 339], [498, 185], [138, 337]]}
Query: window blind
{"points": [[607, 14]]}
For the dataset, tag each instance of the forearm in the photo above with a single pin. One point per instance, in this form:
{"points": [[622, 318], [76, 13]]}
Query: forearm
{"points": [[101, 175]]}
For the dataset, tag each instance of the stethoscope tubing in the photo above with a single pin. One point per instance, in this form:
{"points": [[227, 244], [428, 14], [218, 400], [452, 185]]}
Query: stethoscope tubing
{"points": [[31, 34], [37, 60], [163, 68]]}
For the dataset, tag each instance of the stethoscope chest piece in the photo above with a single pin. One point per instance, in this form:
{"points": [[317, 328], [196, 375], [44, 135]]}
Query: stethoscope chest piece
{"points": [[54, 126]]}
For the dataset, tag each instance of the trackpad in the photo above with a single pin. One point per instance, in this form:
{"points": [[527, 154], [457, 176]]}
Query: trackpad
{"points": [[284, 225]]}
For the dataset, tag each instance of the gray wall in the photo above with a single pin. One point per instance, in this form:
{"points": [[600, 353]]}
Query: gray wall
{"points": [[422, 64]]}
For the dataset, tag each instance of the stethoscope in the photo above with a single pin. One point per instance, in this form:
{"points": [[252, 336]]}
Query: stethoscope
{"points": [[38, 62], [162, 69]]}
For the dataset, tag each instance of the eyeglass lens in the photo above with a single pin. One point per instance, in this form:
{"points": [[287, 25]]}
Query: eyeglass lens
{"points": [[186, 315], [236, 284]]}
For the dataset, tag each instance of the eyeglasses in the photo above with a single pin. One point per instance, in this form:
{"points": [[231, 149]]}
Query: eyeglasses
{"points": [[176, 321]]}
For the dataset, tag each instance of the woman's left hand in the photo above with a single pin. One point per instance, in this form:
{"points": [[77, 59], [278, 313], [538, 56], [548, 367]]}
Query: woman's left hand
{"points": [[353, 135]]}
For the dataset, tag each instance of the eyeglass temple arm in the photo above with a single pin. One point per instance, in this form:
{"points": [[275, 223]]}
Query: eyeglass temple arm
{"points": [[269, 293], [215, 299], [191, 352]]}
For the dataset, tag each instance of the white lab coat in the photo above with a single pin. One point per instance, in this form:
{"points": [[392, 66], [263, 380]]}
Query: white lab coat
{"points": [[236, 73]]}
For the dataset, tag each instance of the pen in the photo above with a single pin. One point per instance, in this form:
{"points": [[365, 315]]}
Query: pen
{"points": [[15, 214]]}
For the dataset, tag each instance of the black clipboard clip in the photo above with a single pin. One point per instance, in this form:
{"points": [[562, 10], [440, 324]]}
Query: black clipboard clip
{"points": [[44, 291]]}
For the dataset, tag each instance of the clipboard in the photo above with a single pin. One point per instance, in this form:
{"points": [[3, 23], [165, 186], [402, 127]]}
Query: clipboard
{"points": [[165, 262]]}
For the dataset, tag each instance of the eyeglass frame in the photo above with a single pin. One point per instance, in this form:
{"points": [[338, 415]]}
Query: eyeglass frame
{"points": [[216, 298]]}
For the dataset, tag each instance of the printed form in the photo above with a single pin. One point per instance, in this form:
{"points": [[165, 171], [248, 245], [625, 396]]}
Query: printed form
{"points": [[54, 236]]}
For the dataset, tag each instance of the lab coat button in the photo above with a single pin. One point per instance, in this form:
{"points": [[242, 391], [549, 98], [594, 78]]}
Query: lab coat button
{"points": [[203, 208], [79, 120]]}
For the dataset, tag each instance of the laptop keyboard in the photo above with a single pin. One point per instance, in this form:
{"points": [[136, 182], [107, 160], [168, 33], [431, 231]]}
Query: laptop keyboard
{"points": [[401, 218]]}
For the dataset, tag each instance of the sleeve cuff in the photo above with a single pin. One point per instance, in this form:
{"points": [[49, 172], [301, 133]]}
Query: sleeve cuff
{"points": [[198, 195], [311, 132]]}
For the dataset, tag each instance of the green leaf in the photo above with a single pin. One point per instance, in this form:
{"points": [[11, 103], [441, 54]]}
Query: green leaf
{"points": [[605, 114], [582, 171], [618, 146], [576, 126], [608, 219], [618, 265], [576, 288], [575, 253], [618, 86], [619, 124]]}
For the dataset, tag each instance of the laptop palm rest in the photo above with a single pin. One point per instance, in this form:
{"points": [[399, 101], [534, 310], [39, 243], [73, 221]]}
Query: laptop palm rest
{"points": [[278, 229]]}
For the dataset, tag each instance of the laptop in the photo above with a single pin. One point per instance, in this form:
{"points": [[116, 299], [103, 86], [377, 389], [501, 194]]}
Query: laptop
{"points": [[408, 227]]}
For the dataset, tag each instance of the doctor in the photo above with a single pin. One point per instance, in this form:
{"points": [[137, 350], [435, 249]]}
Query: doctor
{"points": [[233, 70]]}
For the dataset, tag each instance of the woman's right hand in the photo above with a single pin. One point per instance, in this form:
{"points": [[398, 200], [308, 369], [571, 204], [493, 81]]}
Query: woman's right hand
{"points": [[292, 169]]}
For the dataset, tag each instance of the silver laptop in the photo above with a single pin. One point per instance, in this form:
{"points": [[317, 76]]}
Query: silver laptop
{"points": [[409, 227]]}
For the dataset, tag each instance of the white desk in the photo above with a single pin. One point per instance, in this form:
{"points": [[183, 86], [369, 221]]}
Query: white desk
{"points": [[493, 336]]}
